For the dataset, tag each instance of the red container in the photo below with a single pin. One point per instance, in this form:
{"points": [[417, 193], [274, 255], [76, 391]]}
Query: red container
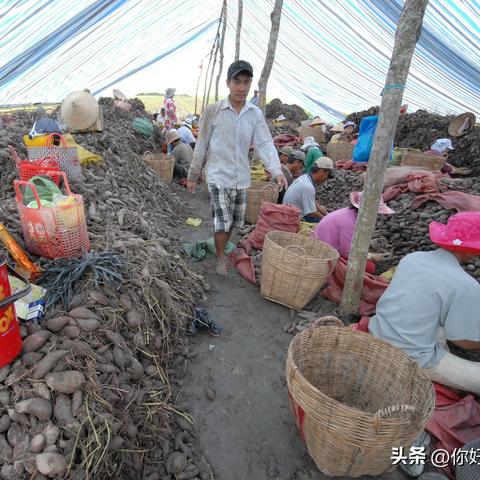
{"points": [[10, 339]]}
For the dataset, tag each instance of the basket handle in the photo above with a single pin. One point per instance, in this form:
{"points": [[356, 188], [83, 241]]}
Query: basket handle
{"points": [[292, 248], [148, 152], [269, 186], [51, 137], [19, 195], [52, 173], [385, 412], [322, 321]]}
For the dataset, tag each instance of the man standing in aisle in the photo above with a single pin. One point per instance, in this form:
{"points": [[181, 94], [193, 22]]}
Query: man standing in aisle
{"points": [[227, 129]]}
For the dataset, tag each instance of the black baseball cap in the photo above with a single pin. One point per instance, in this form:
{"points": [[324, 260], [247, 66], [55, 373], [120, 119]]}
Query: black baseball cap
{"points": [[238, 67]]}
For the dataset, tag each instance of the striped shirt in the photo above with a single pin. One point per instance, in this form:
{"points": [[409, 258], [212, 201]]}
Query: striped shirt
{"points": [[224, 140]]}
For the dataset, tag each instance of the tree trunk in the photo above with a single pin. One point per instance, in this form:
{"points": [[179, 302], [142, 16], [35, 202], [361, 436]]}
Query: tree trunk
{"points": [[198, 84], [239, 29], [215, 44], [408, 32], [222, 40], [275, 17]]}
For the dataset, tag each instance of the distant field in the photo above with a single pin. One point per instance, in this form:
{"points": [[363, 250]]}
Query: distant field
{"points": [[185, 103]]}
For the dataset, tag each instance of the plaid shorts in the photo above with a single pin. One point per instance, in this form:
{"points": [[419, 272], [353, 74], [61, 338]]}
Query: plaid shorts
{"points": [[228, 207]]}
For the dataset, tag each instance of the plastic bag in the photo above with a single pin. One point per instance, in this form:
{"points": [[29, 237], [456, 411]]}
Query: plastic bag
{"points": [[45, 189], [368, 125]]}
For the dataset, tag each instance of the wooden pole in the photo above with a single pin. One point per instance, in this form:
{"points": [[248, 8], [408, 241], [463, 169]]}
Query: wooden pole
{"points": [[275, 17], [222, 41], [408, 32], [215, 44], [198, 84], [239, 29]]}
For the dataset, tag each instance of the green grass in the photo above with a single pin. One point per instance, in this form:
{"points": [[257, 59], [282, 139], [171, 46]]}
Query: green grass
{"points": [[185, 103]]}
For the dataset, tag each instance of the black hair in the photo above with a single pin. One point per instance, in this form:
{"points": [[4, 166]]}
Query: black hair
{"points": [[316, 169], [292, 160]]}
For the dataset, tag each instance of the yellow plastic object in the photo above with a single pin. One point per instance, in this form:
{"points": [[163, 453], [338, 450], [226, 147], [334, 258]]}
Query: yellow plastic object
{"points": [[305, 228], [258, 173], [193, 222], [388, 275], [85, 157], [39, 141], [24, 265]]}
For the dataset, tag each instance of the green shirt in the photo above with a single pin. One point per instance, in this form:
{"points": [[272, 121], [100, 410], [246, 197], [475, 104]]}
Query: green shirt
{"points": [[314, 153]]}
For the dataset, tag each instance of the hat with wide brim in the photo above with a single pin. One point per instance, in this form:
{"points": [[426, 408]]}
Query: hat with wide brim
{"points": [[455, 127], [338, 127], [318, 121], [383, 208], [79, 110], [172, 135], [286, 150], [460, 234], [120, 95]]}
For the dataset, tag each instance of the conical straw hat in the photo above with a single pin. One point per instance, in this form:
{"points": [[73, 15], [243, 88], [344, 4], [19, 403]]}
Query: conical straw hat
{"points": [[79, 110]]}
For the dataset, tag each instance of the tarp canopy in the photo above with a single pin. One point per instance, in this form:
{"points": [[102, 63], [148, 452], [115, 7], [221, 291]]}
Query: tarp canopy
{"points": [[332, 55]]}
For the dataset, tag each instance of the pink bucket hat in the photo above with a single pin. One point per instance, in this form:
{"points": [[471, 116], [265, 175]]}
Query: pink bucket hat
{"points": [[460, 234], [383, 208]]}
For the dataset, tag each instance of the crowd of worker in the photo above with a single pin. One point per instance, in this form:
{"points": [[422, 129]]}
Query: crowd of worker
{"points": [[431, 298]]}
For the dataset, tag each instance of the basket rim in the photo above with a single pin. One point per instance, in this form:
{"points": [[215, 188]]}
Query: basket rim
{"points": [[328, 248], [355, 412]]}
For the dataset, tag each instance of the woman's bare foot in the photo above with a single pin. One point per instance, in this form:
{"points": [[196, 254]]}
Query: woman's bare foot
{"points": [[222, 266]]}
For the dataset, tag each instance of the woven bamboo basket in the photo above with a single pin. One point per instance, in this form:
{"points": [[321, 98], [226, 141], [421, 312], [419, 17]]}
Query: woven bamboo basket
{"points": [[294, 268], [430, 162], [162, 163], [257, 193], [340, 151], [354, 398], [317, 133]]}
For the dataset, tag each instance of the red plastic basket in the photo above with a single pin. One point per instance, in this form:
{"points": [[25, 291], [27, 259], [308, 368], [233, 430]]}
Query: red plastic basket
{"points": [[28, 169], [53, 232]]}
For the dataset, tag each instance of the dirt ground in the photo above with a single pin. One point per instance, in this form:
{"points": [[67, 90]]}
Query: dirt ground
{"points": [[245, 427]]}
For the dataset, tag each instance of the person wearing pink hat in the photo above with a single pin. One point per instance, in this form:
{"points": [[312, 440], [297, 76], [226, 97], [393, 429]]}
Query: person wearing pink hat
{"points": [[432, 299], [337, 227]]}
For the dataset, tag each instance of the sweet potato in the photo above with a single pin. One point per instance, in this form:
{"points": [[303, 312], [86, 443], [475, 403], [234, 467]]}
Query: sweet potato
{"points": [[47, 363], [31, 358], [134, 318], [42, 390], [38, 407], [99, 298], [77, 401], [136, 369], [35, 341], [83, 313], [68, 381], [5, 423], [63, 410], [57, 323], [37, 444], [125, 301], [51, 464], [88, 325], [72, 331], [51, 433], [176, 463]]}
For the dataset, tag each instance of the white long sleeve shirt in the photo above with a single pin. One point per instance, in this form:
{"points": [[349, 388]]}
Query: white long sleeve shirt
{"points": [[224, 140]]}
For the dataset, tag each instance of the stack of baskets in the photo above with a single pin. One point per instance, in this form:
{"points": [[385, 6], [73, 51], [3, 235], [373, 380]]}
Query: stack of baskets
{"points": [[257, 193], [294, 268], [162, 163], [430, 162], [340, 151], [53, 231], [354, 398]]}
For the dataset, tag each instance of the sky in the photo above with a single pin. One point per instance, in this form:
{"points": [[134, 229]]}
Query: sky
{"points": [[332, 55]]}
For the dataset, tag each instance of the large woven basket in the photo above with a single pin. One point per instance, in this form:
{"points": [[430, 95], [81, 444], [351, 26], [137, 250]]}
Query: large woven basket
{"points": [[317, 133], [354, 398], [430, 162], [340, 151], [257, 193], [294, 268], [162, 163]]}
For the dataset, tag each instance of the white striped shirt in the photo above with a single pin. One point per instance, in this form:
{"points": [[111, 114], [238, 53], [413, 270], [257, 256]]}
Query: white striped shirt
{"points": [[224, 140]]}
